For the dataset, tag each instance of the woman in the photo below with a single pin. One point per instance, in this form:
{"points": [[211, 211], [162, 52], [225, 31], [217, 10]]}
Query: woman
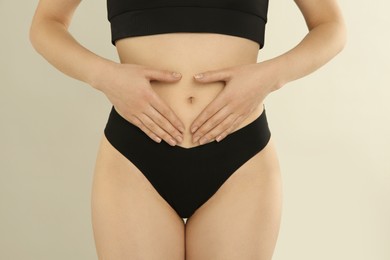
{"points": [[187, 136]]}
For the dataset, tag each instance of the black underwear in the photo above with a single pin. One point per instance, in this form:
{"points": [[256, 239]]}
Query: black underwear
{"points": [[187, 177]]}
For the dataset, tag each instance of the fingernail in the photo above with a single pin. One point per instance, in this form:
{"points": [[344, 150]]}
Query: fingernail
{"points": [[194, 129], [178, 138], [181, 129], [172, 141], [198, 76], [202, 141], [176, 74], [218, 138]]}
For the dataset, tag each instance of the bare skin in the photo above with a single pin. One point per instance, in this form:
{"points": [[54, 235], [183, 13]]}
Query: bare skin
{"points": [[130, 220], [257, 182]]}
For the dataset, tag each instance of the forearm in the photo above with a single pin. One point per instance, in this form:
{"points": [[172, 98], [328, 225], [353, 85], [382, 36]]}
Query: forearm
{"points": [[52, 40], [318, 47]]}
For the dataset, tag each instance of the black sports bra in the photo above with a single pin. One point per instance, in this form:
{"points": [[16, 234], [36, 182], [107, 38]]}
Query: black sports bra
{"points": [[242, 18]]}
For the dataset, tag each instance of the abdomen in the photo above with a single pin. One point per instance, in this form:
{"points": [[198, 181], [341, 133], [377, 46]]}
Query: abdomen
{"points": [[188, 53]]}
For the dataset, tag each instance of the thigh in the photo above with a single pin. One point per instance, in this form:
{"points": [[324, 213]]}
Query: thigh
{"points": [[241, 220], [130, 220]]}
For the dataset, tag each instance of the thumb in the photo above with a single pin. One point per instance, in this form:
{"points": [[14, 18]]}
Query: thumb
{"points": [[212, 76], [162, 75]]}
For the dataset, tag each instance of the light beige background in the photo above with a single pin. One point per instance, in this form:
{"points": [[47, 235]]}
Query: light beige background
{"points": [[331, 130]]}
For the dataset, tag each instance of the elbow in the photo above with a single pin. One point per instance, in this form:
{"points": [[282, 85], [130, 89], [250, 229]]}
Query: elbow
{"points": [[33, 35], [32, 38], [38, 33], [337, 33], [342, 35]]}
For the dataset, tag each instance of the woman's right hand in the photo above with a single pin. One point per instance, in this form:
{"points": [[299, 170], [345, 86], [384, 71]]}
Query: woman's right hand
{"points": [[128, 88]]}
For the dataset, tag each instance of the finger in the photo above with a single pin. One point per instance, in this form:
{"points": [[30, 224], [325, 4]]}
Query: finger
{"points": [[162, 75], [146, 130], [212, 76], [157, 130], [213, 107], [164, 123], [157, 103], [210, 124], [218, 130], [228, 131]]}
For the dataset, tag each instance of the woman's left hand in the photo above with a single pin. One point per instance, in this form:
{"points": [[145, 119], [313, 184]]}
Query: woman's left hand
{"points": [[246, 87]]}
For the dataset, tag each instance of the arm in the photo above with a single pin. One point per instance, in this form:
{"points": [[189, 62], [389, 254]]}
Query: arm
{"points": [[127, 86], [326, 38], [49, 36]]}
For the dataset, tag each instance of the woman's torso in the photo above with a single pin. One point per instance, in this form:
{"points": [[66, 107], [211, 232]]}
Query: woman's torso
{"points": [[189, 53]]}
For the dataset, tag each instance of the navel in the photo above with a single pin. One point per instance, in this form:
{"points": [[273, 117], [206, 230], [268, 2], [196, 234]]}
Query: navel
{"points": [[190, 99]]}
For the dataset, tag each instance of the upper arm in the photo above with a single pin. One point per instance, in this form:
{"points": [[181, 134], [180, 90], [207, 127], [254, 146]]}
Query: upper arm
{"points": [[58, 10], [317, 12]]}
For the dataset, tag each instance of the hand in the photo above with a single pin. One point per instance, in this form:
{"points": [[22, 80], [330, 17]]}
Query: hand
{"points": [[128, 88], [246, 87]]}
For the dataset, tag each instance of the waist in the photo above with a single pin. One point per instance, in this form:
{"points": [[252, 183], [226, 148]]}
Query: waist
{"points": [[188, 54]]}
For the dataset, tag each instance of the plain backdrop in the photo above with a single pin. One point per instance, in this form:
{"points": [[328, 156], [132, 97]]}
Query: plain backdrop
{"points": [[331, 129]]}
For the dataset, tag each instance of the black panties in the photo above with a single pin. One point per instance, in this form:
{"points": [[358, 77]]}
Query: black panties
{"points": [[187, 177]]}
